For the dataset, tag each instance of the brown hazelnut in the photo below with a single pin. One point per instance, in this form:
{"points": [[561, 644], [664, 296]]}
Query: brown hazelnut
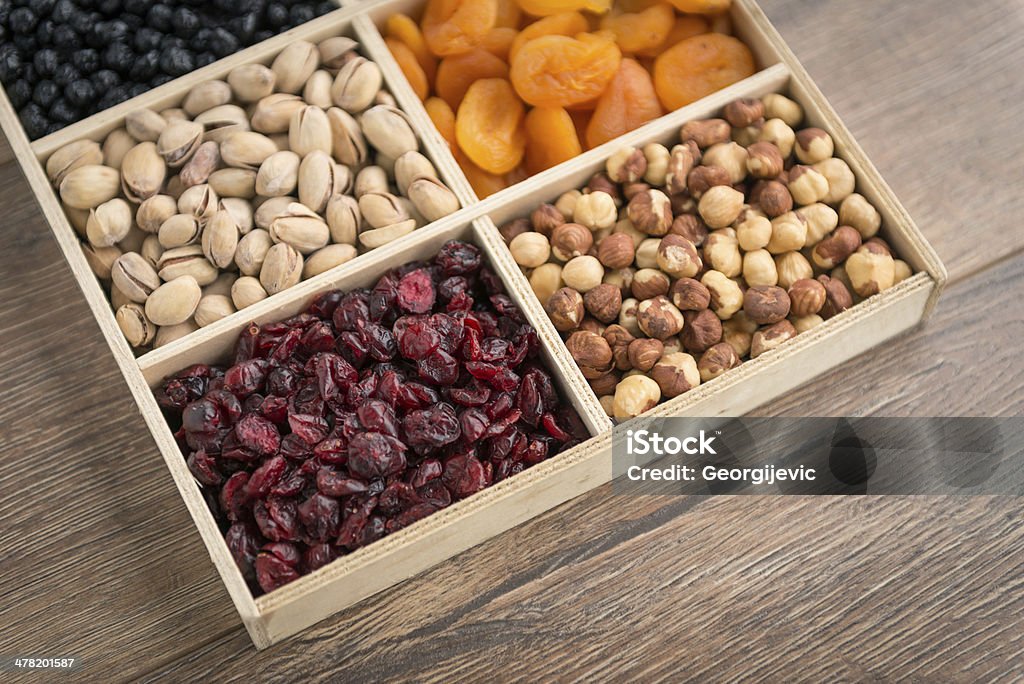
{"points": [[690, 227], [651, 212], [649, 283], [722, 253], [702, 330], [546, 218], [565, 309], [634, 395], [678, 257], [512, 229], [591, 353], [659, 318], [605, 384], [621, 278], [689, 295], [619, 339], [877, 245], [836, 248], [681, 161], [774, 199], [837, 298], [743, 112], [644, 353], [591, 324], [766, 304], [813, 145], [627, 165], [764, 160], [571, 240], [631, 190], [771, 337], [616, 251], [604, 302], [807, 185], [703, 178], [682, 203], [716, 360], [806, 297], [706, 132], [600, 182], [675, 374]]}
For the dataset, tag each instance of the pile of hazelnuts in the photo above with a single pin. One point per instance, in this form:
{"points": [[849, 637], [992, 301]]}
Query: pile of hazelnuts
{"points": [[673, 266]]}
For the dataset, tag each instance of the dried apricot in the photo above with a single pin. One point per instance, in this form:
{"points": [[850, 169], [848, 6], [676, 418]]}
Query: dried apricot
{"points": [[489, 125], [456, 73], [581, 119], [484, 183], [509, 14], [558, 71], [402, 28], [410, 67], [545, 8], [444, 119], [551, 138], [628, 102], [684, 27], [701, 6], [455, 26], [636, 5], [637, 31], [699, 66], [499, 42], [564, 24]]}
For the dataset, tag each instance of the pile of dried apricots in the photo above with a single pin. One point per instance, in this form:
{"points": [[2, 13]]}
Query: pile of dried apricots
{"points": [[517, 86]]}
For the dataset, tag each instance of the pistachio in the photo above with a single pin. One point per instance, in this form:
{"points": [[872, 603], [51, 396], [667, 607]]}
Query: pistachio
{"points": [[212, 308], [348, 143], [309, 130], [372, 239], [334, 52], [132, 242], [89, 186], [100, 259], [239, 183], [356, 84], [432, 198], [241, 211], [186, 261], [220, 238], [144, 125], [294, 65], [251, 82], [199, 200], [222, 285], [317, 90], [78, 218], [247, 291], [173, 302], [178, 231], [246, 150], [252, 251], [116, 145], [278, 175], [206, 96], [343, 219], [133, 276], [282, 268], [143, 171], [171, 333], [326, 258], [388, 130], [410, 167], [271, 209], [222, 122], [381, 209], [109, 223], [137, 329], [317, 176], [273, 113], [70, 157], [301, 228], [179, 141], [371, 179], [151, 250], [199, 167], [175, 114]]}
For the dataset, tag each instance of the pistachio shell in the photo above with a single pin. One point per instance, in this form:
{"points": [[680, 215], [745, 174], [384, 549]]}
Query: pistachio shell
{"points": [[143, 172], [212, 308], [116, 145], [381, 209], [300, 228], [282, 268], [72, 156], [294, 65], [174, 114], [187, 261], [179, 141], [271, 209], [206, 96], [246, 291], [343, 219], [317, 90], [199, 200], [252, 251], [222, 285], [278, 175], [309, 130], [250, 82], [178, 231], [136, 327], [432, 198], [134, 276], [371, 179], [174, 302], [89, 186], [223, 121], [151, 250], [356, 84], [172, 333], [327, 258], [132, 242], [100, 259], [241, 211], [246, 150], [412, 166], [334, 52], [388, 130], [233, 183], [154, 211], [78, 218], [348, 143], [371, 239], [316, 180], [109, 223], [273, 113], [204, 162], [220, 238], [144, 125]]}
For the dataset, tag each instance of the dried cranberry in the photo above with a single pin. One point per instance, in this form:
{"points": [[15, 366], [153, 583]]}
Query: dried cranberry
{"points": [[551, 425], [380, 343], [204, 468], [415, 292], [310, 429], [397, 497], [440, 368], [473, 394], [246, 377], [431, 428], [372, 455], [414, 395], [322, 517], [275, 566], [274, 409], [452, 287], [350, 311], [326, 303], [356, 513], [474, 423], [333, 483], [429, 470], [382, 298], [463, 475], [409, 516], [374, 528], [318, 338], [458, 258], [417, 339], [243, 543], [376, 416], [265, 477], [435, 494], [233, 496], [317, 556], [246, 346], [450, 329], [258, 434], [332, 450]]}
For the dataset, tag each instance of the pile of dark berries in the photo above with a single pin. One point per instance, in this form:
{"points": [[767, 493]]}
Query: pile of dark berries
{"points": [[371, 410], [62, 60]]}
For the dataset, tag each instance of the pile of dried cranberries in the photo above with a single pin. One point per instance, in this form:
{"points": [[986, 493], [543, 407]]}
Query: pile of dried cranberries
{"points": [[366, 413]]}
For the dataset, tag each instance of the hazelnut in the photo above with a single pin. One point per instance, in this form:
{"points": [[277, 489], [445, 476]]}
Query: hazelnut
{"points": [[689, 295], [634, 395], [737, 336], [781, 107], [604, 302], [706, 132], [748, 135], [657, 157], [545, 280], [626, 227], [806, 297], [839, 273], [769, 338], [840, 178], [857, 212], [593, 325], [647, 253], [805, 323], [591, 352], [644, 353], [571, 240], [513, 228], [703, 178], [595, 210], [759, 269], [600, 182], [837, 297], [766, 304], [681, 162], [621, 278], [631, 190], [807, 185], [813, 145], [876, 245], [779, 133], [903, 271], [701, 330], [678, 257], [604, 386], [774, 199], [722, 253], [649, 283], [675, 374], [673, 345], [628, 316], [726, 295], [730, 156], [743, 112], [821, 220], [619, 339], [607, 401], [716, 360], [530, 249], [627, 165], [720, 206], [789, 233], [659, 318], [651, 212], [836, 248], [565, 309], [583, 273], [682, 203], [870, 273], [566, 203], [616, 251], [690, 227], [764, 160], [754, 233], [792, 266], [546, 218]]}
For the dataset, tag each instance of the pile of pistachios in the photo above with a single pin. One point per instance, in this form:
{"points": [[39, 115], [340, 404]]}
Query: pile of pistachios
{"points": [[251, 185]]}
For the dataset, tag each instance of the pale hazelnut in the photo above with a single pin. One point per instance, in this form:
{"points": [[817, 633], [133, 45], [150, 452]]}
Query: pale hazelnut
{"points": [[857, 212], [546, 218], [804, 323], [616, 251], [604, 302], [837, 297], [870, 273], [717, 360], [730, 156], [628, 316], [621, 278], [673, 345], [626, 227], [759, 268], [571, 240], [722, 253], [789, 233], [754, 233], [595, 210], [701, 330], [682, 159], [821, 220], [607, 401], [726, 295], [772, 337], [545, 280], [706, 132], [678, 257], [766, 304], [736, 335], [813, 145], [565, 309], [778, 106], [583, 273], [840, 179], [774, 199], [659, 318], [657, 157], [836, 248], [591, 353], [720, 206], [649, 283], [748, 135], [689, 295], [644, 353], [703, 178], [743, 111], [647, 253], [513, 228], [777, 132], [690, 227], [791, 267], [807, 185], [651, 212], [566, 203], [530, 249], [903, 271], [627, 165], [675, 374], [619, 339], [634, 395]]}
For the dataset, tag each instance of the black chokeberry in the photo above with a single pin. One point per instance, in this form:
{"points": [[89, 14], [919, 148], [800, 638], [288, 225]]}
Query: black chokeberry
{"points": [[244, 27], [204, 58], [147, 39], [185, 22], [80, 93], [62, 11], [44, 32], [22, 21], [26, 44], [277, 15], [19, 93], [223, 43], [45, 61], [118, 57], [87, 60], [137, 7], [173, 42], [117, 30], [159, 17], [105, 79], [176, 61], [45, 93], [160, 79], [109, 7], [42, 7], [146, 66], [138, 89], [33, 120], [64, 74], [62, 110], [327, 7], [64, 37], [300, 14], [263, 35], [10, 63], [83, 22]]}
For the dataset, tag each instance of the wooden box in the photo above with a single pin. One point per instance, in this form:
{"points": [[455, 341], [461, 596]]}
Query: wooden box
{"points": [[286, 611]]}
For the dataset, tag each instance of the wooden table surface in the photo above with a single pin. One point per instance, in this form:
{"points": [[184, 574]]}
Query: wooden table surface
{"points": [[99, 559]]}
